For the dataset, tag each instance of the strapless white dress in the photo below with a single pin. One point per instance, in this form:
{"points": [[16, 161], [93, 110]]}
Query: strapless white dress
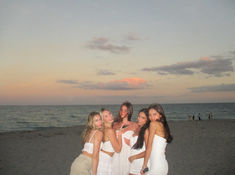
{"points": [[159, 164], [121, 164]]}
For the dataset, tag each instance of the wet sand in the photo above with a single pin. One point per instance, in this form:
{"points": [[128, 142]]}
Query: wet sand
{"points": [[199, 148]]}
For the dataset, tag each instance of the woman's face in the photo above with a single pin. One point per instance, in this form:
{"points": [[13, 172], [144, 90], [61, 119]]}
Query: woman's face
{"points": [[107, 117], [154, 115], [123, 112], [97, 121], [142, 119]]}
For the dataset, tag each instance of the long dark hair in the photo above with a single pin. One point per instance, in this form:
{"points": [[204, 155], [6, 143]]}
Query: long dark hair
{"points": [[160, 110], [140, 141], [129, 111]]}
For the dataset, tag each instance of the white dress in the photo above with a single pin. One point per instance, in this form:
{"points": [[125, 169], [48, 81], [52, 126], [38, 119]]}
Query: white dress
{"points": [[159, 165], [105, 160], [136, 165], [121, 164]]}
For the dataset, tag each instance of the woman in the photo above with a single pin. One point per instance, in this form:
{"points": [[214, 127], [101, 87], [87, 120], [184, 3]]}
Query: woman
{"points": [[111, 144], [121, 164], [159, 136], [87, 162], [139, 142]]}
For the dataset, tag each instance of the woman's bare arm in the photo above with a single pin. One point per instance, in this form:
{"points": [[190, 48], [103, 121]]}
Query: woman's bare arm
{"points": [[96, 148], [115, 141], [152, 131], [142, 154]]}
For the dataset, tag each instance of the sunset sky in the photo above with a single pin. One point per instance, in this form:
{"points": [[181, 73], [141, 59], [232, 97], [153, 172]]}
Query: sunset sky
{"points": [[107, 51]]}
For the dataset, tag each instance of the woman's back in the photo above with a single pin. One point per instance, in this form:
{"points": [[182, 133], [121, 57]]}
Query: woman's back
{"points": [[159, 164], [158, 147]]}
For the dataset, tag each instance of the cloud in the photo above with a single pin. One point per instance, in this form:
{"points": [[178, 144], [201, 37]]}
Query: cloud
{"points": [[67, 81], [123, 84], [104, 44], [216, 88], [132, 37], [105, 72], [214, 66]]}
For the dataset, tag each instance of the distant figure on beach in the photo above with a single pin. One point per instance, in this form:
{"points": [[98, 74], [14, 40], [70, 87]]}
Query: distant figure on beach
{"points": [[121, 164], [86, 163], [111, 144], [189, 117], [199, 116], [138, 142], [210, 116], [159, 136], [193, 117]]}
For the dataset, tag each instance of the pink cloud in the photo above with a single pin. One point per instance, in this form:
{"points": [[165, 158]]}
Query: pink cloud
{"points": [[131, 83], [135, 81]]}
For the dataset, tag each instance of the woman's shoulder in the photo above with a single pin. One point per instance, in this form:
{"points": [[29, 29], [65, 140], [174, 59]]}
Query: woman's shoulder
{"points": [[98, 133], [134, 124], [146, 131], [156, 124]]}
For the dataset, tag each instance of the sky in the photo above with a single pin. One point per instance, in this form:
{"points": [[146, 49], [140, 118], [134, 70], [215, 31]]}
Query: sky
{"points": [[68, 52]]}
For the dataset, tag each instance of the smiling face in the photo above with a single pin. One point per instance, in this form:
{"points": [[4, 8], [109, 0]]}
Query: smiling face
{"points": [[107, 117], [154, 115], [97, 122], [123, 112], [142, 119]]}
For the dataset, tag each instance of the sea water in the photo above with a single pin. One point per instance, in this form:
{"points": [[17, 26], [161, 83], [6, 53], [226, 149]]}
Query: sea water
{"points": [[19, 118]]}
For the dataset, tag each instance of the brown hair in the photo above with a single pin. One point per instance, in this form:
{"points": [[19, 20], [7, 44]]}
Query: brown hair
{"points": [[129, 111], [160, 110]]}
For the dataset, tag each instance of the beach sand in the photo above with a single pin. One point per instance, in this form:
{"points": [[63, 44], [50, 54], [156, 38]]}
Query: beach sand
{"points": [[199, 148]]}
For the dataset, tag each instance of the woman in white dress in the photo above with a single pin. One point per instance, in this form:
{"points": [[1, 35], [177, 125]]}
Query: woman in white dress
{"points": [[138, 142], [112, 142], [87, 162], [159, 136], [121, 164]]}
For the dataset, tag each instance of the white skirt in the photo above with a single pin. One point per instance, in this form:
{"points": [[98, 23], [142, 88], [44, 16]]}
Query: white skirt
{"points": [[105, 164], [121, 164]]}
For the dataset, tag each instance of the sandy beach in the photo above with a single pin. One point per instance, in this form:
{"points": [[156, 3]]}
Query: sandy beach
{"points": [[199, 148]]}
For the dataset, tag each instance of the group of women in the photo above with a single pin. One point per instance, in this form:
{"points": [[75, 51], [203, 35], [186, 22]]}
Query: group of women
{"points": [[123, 147]]}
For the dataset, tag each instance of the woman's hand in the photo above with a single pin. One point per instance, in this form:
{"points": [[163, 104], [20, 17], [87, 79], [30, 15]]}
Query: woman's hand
{"points": [[141, 172], [131, 159], [118, 133], [127, 141]]}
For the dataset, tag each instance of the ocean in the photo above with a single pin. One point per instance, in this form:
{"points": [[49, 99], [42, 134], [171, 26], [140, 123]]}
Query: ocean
{"points": [[23, 118]]}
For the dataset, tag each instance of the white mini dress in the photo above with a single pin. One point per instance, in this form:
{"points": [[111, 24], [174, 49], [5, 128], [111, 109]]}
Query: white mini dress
{"points": [[159, 164]]}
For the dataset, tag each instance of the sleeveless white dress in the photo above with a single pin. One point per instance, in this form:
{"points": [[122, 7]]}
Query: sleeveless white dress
{"points": [[159, 165], [136, 165], [121, 164], [105, 160]]}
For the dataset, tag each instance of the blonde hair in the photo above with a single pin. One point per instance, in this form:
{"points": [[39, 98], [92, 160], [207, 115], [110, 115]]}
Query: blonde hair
{"points": [[89, 126], [101, 113]]}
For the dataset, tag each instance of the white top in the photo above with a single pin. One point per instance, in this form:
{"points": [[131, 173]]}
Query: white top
{"points": [[107, 146], [121, 164], [133, 140], [88, 146], [136, 165], [159, 143]]}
